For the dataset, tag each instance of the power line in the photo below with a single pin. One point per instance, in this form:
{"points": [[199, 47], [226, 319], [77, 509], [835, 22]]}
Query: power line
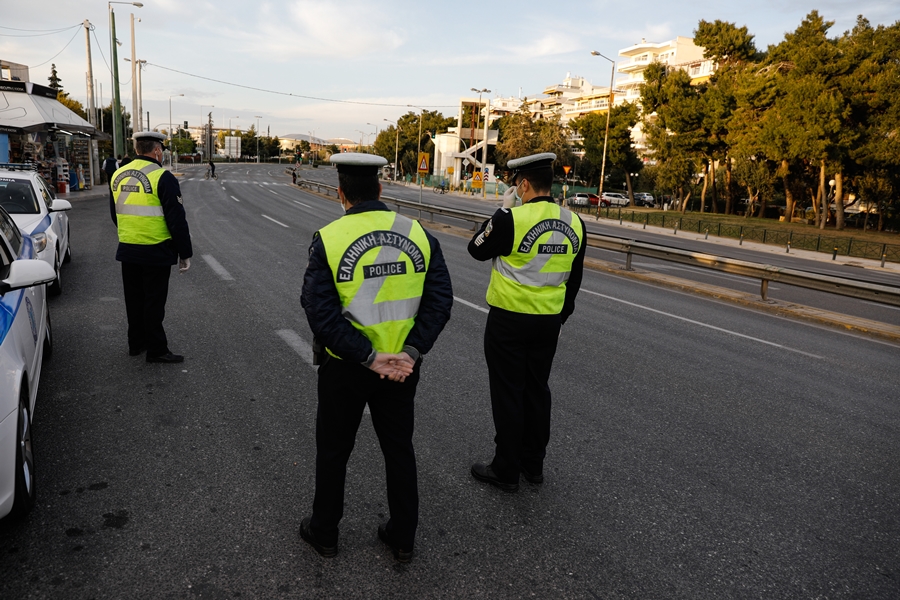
{"points": [[30, 35], [256, 89], [55, 55], [50, 30]]}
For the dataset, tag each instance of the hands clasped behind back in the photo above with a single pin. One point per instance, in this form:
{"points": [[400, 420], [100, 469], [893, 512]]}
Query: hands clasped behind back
{"points": [[396, 367]]}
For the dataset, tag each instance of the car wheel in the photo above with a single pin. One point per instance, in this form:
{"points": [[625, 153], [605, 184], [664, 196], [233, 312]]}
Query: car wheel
{"points": [[68, 258], [55, 288], [48, 339], [24, 498]]}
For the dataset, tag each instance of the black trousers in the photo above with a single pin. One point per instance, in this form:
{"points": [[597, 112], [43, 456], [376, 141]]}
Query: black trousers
{"points": [[519, 351], [146, 290], [344, 390]]}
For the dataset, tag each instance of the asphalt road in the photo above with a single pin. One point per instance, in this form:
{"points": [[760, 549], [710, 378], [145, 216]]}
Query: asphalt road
{"points": [[699, 449]]}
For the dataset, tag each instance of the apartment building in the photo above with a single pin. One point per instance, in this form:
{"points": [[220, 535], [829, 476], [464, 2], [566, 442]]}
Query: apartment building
{"points": [[680, 53]]}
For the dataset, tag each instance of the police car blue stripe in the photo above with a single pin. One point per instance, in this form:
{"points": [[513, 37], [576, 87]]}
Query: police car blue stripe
{"points": [[11, 301], [42, 226]]}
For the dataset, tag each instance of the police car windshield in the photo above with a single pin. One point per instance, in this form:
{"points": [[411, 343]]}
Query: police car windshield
{"points": [[17, 197]]}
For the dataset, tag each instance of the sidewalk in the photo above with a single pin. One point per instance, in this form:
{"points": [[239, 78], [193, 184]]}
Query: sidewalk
{"points": [[101, 190], [850, 261]]}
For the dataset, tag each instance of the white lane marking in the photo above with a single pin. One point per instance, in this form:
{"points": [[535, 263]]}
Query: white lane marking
{"points": [[274, 192], [235, 199], [728, 331], [218, 268], [297, 343], [274, 221], [879, 305], [470, 305], [301, 204]]}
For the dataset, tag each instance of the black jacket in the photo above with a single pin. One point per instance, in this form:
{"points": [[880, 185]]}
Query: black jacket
{"points": [[498, 241], [168, 252], [322, 303]]}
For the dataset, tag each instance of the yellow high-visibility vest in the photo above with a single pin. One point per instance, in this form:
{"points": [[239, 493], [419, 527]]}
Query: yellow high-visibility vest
{"points": [[139, 212], [378, 260], [532, 279]]}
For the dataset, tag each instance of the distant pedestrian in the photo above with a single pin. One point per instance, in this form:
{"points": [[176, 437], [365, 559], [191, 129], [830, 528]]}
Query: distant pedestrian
{"points": [[109, 167], [294, 176]]}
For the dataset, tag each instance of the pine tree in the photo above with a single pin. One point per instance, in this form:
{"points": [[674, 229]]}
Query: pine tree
{"points": [[55, 81]]}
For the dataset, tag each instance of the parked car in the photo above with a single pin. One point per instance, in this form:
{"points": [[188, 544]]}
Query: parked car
{"points": [[40, 214], [25, 342], [615, 199], [644, 199], [586, 199]]}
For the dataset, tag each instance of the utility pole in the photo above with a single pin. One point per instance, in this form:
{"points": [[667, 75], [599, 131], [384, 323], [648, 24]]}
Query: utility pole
{"points": [[90, 75], [118, 138], [136, 117]]}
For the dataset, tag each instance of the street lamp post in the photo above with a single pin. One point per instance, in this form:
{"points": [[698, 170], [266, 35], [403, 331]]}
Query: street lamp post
{"points": [[118, 125], [202, 106], [396, 149], [257, 117], [605, 135], [419, 148], [312, 135], [171, 162], [483, 141]]}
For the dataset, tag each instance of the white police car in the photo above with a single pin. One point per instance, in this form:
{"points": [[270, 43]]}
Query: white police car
{"points": [[25, 341], [35, 209]]}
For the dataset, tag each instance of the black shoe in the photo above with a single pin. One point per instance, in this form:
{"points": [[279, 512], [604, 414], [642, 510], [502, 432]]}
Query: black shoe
{"points": [[136, 351], [165, 358], [486, 473], [403, 556], [536, 478], [308, 537]]}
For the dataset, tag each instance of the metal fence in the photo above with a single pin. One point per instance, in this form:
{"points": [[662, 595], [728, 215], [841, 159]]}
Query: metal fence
{"points": [[831, 244]]}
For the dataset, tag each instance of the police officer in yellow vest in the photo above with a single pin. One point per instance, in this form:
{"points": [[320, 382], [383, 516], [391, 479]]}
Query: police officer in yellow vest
{"points": [[376, 294], [537, 251], [146, 206]]}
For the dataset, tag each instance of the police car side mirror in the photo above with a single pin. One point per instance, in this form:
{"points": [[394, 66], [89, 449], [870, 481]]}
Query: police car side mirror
{"points": [[26, 273], [59, 205]]}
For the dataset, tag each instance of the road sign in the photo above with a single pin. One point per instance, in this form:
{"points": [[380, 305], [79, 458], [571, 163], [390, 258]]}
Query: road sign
{"points": [[567, 168], [423, 162], [476, 181], [449, 170]]}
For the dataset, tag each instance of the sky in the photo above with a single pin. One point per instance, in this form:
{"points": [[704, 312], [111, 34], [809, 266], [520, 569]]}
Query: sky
{"points": [[376, 59]]}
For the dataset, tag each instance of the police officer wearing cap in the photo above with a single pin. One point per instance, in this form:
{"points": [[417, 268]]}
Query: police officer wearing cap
{"points": [[537, 251], [376, 294], [146, 206]]}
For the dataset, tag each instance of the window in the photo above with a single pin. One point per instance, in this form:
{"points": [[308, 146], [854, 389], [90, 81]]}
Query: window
{"points": [[695, 69], [17, 197], [10, 231]]}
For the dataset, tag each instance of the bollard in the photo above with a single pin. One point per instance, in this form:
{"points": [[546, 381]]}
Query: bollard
{"points": [[788, 251], [675, 231], [706, 237], [628, 261], [741, 243], [883, 254], [834, 254]]}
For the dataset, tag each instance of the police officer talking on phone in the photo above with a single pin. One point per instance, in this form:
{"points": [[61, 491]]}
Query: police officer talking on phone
{"points": [[376, 294], [537, 253]]}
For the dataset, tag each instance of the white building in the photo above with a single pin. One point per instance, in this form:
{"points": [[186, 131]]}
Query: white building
{"points": [[680, 53]]}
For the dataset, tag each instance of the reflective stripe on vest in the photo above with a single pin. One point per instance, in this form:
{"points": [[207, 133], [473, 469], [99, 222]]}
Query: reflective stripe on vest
{"points": [[139, 212], [532, 279], [378, 260]]}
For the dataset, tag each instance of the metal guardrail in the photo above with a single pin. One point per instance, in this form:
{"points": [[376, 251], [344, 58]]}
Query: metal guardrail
{"points": [[873, 292]]}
